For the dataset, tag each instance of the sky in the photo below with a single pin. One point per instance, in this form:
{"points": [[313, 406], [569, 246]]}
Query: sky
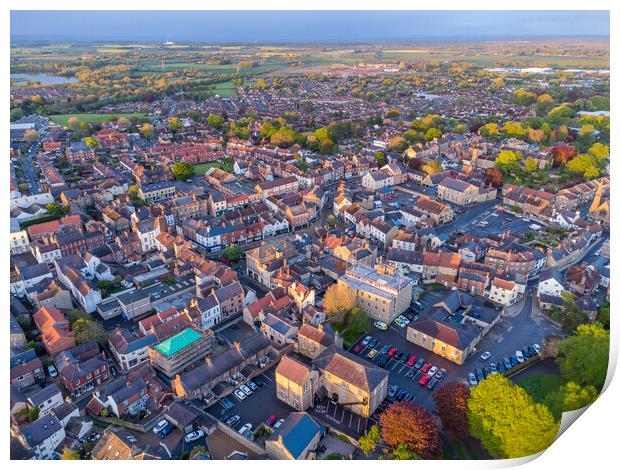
{"points": [[303, 26]]}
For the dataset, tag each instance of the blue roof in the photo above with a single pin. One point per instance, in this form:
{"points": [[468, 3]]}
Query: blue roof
{"points": [[297, 437]]}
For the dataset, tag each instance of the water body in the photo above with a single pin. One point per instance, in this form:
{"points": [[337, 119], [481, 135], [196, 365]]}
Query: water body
{"points": [[42, 78]]}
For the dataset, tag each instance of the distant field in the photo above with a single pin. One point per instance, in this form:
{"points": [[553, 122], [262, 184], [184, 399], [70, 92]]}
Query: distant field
{"points": [[62, 119], [201, 168]]}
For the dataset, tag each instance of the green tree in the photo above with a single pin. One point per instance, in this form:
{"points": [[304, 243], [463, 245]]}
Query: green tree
{"points": [[380, 157], [326, 147], [603, 315], [56, 210], [403, 452], [232, 253], [584, 357], [261, 84], [147, 130], [339, 300], [198, 450], [489, 131], [215, 120], [507, 161], [523, 97], [584, 165], [370, 441], [544, 103], [514, 129], [174, 123], [30, 136], [182, 171], [33, 414], [432, 134], [530, 165], [88, 330], [507, 421], [398, 144], [599, 151], [570, 397]]}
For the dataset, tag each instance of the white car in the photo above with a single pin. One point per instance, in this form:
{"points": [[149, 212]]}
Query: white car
{"points": [[278, 423], [159, 426], [252, 385], [485, 355], [536, 348], [380, 325], [51, 370], [519, 356], [245, 389], [432, 371], [245, 427], [192, 436], [239, 394]]}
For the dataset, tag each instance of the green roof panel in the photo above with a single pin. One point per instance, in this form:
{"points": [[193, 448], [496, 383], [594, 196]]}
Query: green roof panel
{"points": [[178, 342]]}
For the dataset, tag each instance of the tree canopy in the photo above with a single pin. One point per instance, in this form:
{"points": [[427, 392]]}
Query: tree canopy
{"points": [[411, 426], [451, 400], [182, 171]]}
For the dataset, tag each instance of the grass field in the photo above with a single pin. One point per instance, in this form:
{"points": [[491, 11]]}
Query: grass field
{"points": [[62, 119], [201, 168], [540, 386]]}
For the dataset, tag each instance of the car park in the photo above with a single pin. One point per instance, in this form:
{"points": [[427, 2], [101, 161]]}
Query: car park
{"points": [[258, 381], [160, 426], [526, 353], [383, 360], [240, 394], [501, 368], [372, 353], [472, 379], [507, 363], [530, 349], [245, 389], [432, 371], [233, 421], [380, 325], [425, 379], [403, 357], [194, 435], [245, 428], [486, 371], [51, 370], [493, 367]]}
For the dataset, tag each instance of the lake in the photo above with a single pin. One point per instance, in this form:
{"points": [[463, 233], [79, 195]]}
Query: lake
{"points": [[42, 78]]}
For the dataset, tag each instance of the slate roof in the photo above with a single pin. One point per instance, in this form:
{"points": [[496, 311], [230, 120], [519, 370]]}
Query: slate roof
{"points": [[297, 431]]}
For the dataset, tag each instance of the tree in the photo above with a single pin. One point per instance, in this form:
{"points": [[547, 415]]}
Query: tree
{"points": [[88, 330], [460, 129], [603, 315], [412, 426], [544, 103], [584, 357], [56, 210], [198, 450], [514, 129], [493, 177], [232, 253], [570, 316], [73, 123], [370, 441], [523, 97], [327, 146], [432, 134], [215, 120], [123, 122], [432, 167], [174, 124], [562, 153], [398, 144], [570, 397], [92, 142], [147, 130], [507, 421], [451, 402], [261, 84], [507, 161], [339, 300], [489, 131], [584, 165], [30, 136], [380, 157], [530, 165], [33, 414], [599, 151], [182, 171], [68, 454], [402, 452]]}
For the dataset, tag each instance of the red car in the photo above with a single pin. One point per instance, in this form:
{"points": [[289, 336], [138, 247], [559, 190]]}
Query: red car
{"points": [[358, 348], [392, 352], [425, 378], [426, 367], [271, 420], [412, 360]]}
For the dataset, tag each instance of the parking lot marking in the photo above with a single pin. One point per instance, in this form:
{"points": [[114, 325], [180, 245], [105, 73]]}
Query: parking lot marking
{"points": [[350, 419], [267, 377]]}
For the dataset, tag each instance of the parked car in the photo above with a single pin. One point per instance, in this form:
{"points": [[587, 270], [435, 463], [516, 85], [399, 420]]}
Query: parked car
{"points": [[380, 325], [386, 348], [486, 371], [412, 360], [240, 394], [432, 371], [252, 385], [479, 375], [402, 357], [472, 379], [383, 360], [159, 426], [526, 353], [536, 348], [507, 363], [168, 428], [192, 436], [245, 389], [432, 384], [245, 428], [258, 381], [501, 368], [424, 380], [373, 344], [372, 353], [226, 403], [441, 373], [513, 361], [485, 355], [271, 420], [426, 367], [493, 367], [367, 340], [233, 421], [358, 348], [392, 352], [278, 423], [51, 370], [519, 356], [419, 363]]}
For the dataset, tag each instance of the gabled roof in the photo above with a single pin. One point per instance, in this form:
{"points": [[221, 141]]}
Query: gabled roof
{"points": [[350, 368], [297, 431]]}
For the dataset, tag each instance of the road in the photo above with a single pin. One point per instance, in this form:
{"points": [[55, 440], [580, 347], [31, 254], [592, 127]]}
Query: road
{"points": [[30, 173]]}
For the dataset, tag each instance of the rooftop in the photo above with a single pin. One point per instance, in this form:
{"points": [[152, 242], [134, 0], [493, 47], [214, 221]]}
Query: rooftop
{"points": [[173, 345]]}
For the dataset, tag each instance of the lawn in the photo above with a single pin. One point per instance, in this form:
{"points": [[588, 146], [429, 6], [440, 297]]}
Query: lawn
{"points": [[62, 119], [201, 168], [540, 386]]}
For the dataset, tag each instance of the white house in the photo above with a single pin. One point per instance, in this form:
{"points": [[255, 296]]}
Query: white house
{"points": [[503, 292], [550, 282], [43, 436]]}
